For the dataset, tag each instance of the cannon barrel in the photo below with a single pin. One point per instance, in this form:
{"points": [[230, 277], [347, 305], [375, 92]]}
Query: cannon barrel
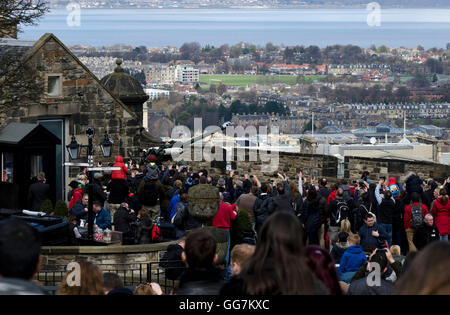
{"points": [[162, 155]]}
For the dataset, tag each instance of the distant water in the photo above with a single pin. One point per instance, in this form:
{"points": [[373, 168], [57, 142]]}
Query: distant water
{"points": [[322, 27]]}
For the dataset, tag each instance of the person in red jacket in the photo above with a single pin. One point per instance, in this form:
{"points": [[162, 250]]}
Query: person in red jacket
{"points": [[122, 174], [415, 201], [77, 194], [441, 213], [333, 193], [224, 216], [222, 220]]}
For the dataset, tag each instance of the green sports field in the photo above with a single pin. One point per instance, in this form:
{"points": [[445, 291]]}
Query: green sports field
{"points": [[244, 80]]}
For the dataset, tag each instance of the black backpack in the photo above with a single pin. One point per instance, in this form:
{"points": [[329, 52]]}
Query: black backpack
{"points": [[342, 211], [416, 216], [149, 196]]}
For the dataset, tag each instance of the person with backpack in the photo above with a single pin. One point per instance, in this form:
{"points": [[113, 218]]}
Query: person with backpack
{"points": [[414, 214], [147, 231], [182, 219], [339, 210], [149, 190], [364, 208]]}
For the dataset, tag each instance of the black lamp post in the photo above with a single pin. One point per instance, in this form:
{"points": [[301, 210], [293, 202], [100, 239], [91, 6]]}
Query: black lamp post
{"points": [[74, 149]]}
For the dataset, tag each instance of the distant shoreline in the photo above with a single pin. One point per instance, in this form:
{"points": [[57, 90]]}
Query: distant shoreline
{"points": [[253, 7]]}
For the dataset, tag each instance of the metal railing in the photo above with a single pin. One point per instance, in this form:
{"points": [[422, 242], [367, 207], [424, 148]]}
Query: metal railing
{"points": [[132, 274]]}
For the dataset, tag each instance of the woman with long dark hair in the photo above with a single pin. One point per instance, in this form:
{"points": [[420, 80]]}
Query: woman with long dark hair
{"points": [[323, 266], [278, 265]]}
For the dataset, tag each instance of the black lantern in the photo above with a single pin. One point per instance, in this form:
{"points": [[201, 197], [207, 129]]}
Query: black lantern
{"points": [[74, 149], [106, 146]]}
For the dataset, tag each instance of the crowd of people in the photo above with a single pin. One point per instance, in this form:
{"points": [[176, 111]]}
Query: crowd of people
{"points": [[285, 236]]}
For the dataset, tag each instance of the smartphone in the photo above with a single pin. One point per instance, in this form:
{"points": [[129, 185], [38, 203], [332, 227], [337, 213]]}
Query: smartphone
{"points": [[236, 172], [228, 168]]}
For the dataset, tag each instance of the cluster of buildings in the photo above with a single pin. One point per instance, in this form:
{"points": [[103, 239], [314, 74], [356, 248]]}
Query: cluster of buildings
{"points": [[169, 74], [101, 66]]}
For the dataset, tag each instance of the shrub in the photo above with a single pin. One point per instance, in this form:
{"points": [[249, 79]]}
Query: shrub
{"points": [[61, 209], [47, 206]]}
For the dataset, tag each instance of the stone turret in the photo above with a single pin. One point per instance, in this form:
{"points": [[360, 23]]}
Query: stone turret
{"points": [[127, 89]]}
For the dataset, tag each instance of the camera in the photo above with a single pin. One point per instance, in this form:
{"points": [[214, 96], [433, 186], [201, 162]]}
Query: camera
{"points": [[236, 172]]}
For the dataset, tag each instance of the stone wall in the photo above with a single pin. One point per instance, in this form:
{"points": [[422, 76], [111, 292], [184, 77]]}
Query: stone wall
{"points": [[289, 163], [96, 107], [131, 260], [354, 166], [329, 166]]}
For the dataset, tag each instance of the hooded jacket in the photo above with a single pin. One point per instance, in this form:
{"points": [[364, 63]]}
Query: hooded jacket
{"points": [[122, 174], [441, 214], [352, 259]]}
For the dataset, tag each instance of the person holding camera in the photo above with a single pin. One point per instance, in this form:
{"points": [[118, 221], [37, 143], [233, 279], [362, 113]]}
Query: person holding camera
{"points": [[372, 278], [372, 234]]}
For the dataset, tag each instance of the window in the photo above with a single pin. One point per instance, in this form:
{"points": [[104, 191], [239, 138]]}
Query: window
{"points": [[53, 88], [7, 166], [36, 165]]}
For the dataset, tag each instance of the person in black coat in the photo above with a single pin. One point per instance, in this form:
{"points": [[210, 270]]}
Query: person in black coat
{"points": [[314, 215], [172, 262], [98, 194], [38, 193], [118, 191], [323, 189], [123, 222], [282, 196], [261, 207], [144, 228], [426, 233], [201, 277]]}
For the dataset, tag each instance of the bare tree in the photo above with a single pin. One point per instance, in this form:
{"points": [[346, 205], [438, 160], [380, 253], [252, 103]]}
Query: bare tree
{"points": [[20, 12], [18, 78]]}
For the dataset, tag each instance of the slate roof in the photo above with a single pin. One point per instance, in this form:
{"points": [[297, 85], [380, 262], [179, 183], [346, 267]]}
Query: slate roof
{"points": [[15, 133]]}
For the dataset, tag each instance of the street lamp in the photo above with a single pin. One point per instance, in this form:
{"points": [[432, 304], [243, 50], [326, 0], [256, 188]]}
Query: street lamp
{"points": [[74, 149], [106, 146]]}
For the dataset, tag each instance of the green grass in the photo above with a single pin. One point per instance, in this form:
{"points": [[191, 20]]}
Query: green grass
{"points": [[244, 80]]}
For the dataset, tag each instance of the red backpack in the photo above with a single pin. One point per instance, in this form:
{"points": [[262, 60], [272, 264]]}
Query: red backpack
{"points": [[156, 234]]}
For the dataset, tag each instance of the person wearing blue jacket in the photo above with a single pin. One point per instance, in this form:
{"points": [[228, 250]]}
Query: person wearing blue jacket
{"points": [[352, 260], [102, 218], [371, 233]]}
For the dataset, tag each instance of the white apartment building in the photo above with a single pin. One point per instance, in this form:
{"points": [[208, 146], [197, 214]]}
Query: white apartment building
{"points": [[157, 93], [187, 74], [168, 74]]}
